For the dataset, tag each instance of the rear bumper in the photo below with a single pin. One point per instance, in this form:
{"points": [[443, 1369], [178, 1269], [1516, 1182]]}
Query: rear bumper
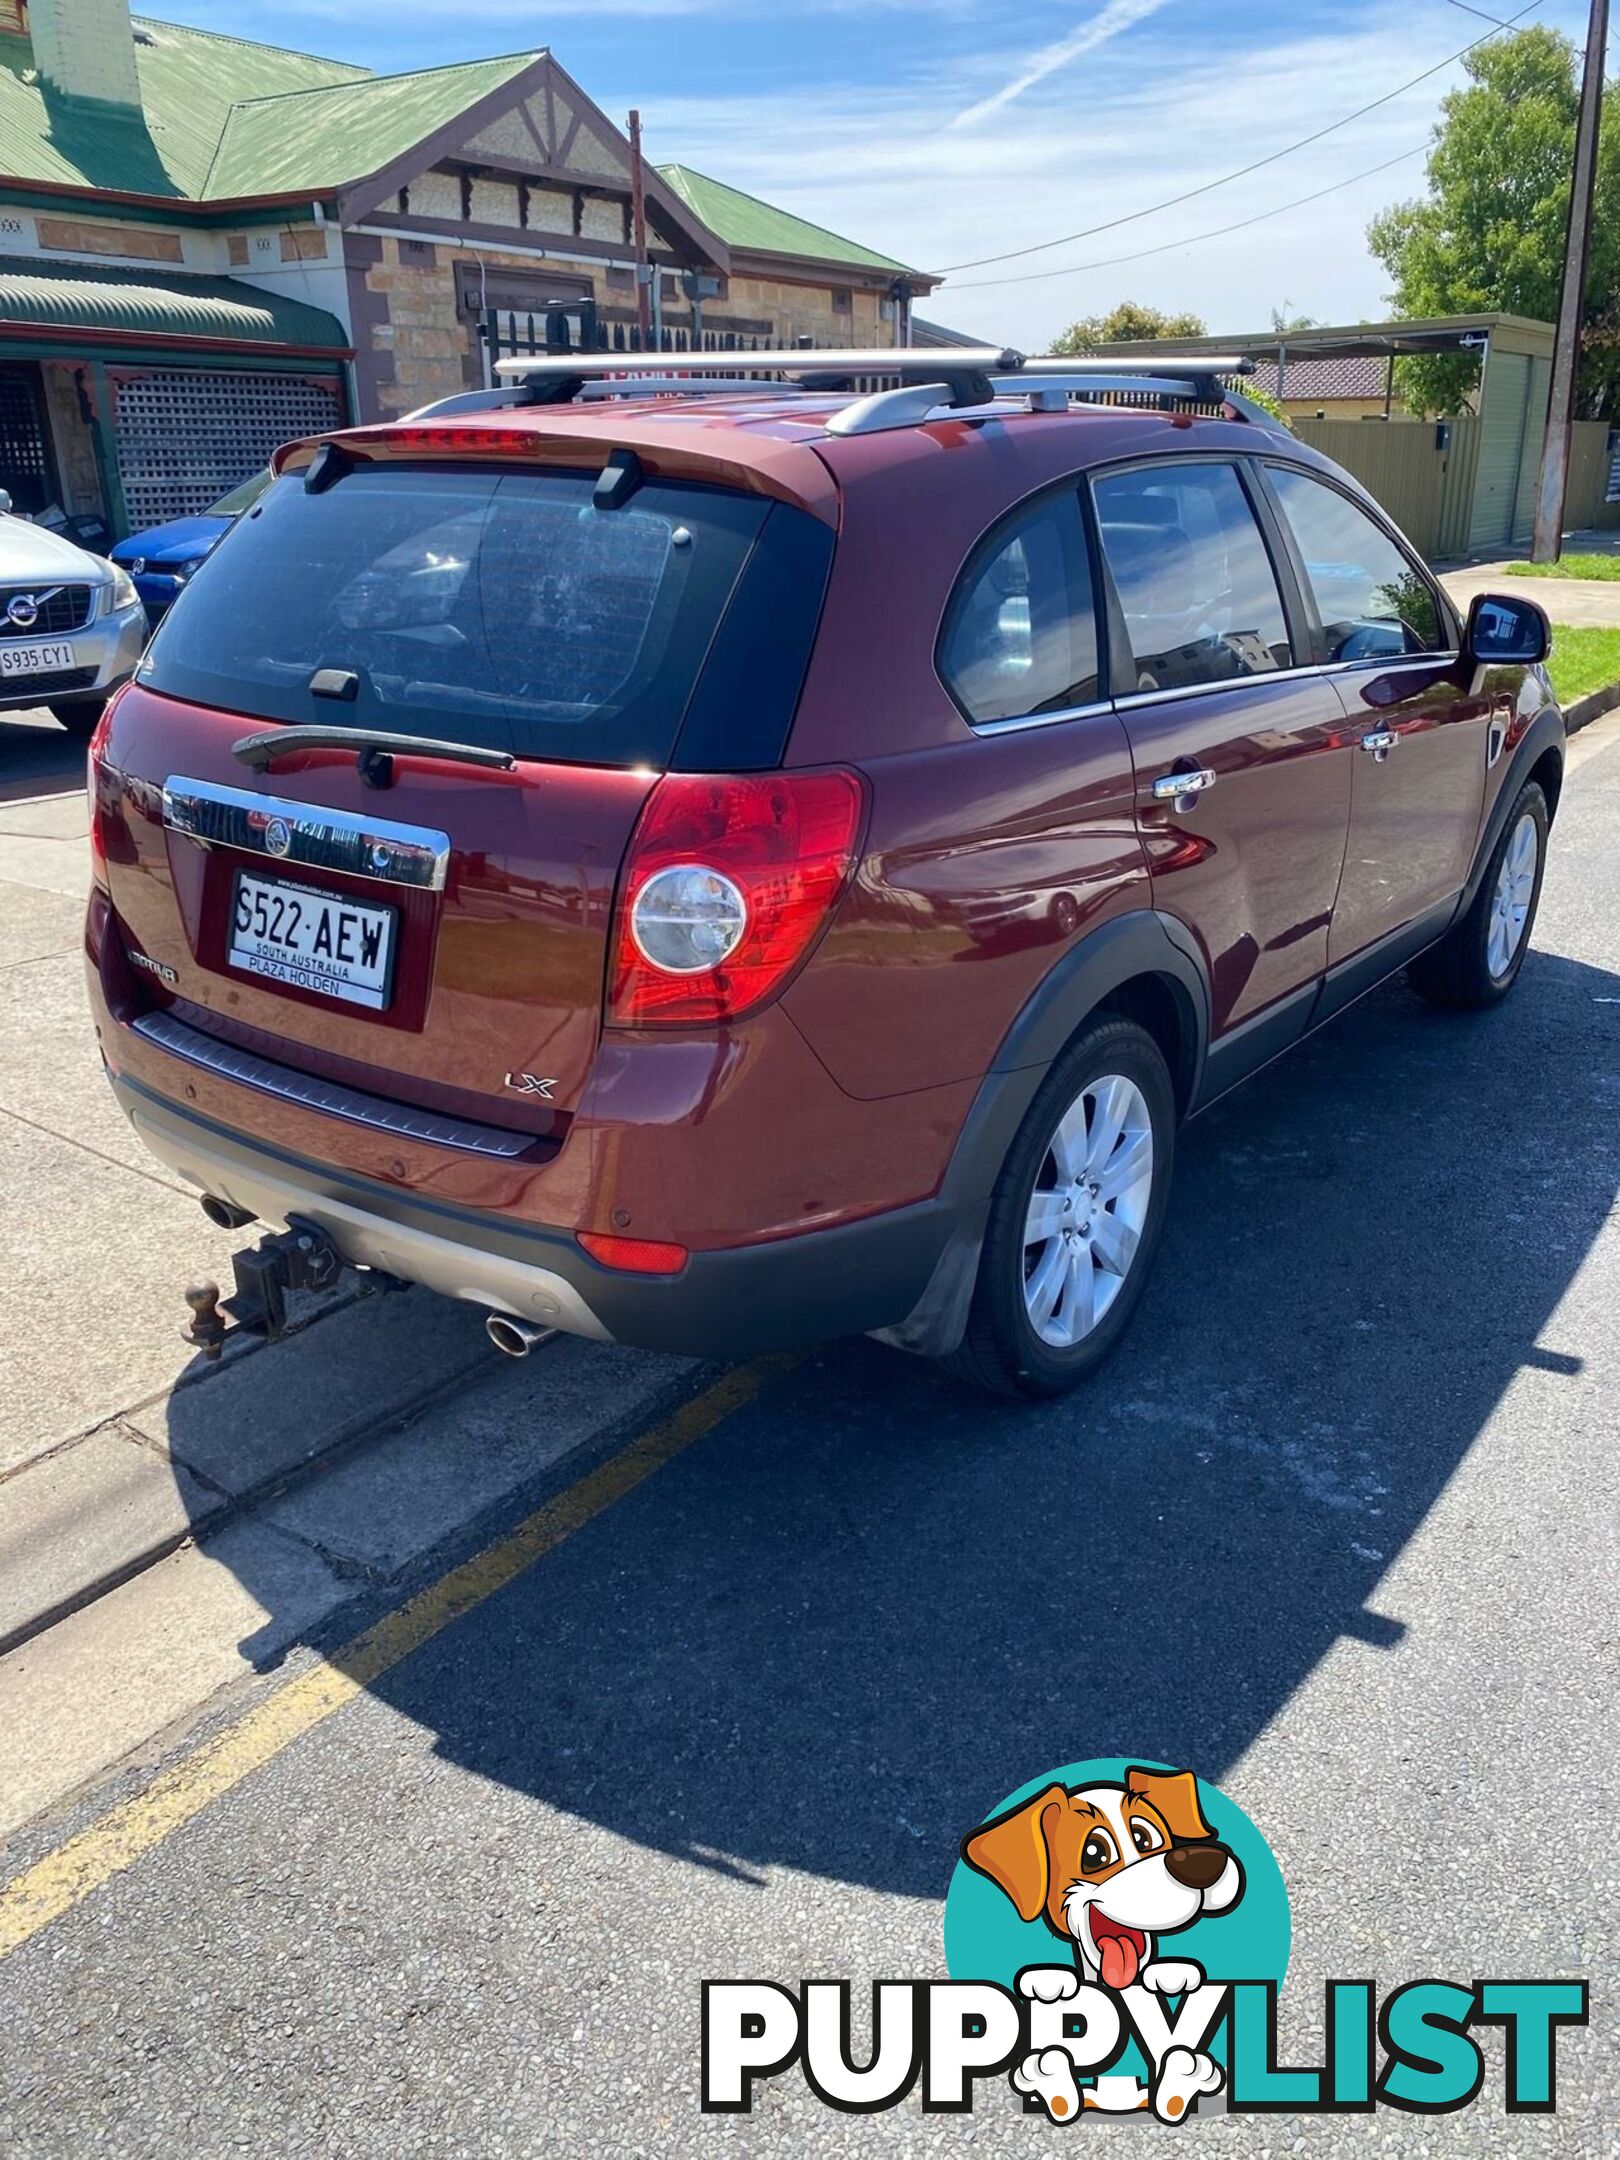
{"points": [[734, 1302]]}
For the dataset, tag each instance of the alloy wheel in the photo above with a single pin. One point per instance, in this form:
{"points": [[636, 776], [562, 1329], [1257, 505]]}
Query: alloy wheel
{"points": [[1515, 889], [1088, 1210]]}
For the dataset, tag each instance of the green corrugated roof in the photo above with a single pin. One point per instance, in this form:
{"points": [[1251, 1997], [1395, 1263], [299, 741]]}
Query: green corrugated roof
{"points": [[322, 138], [189, 81], [224, 118], [743, 221], [137, 302]]}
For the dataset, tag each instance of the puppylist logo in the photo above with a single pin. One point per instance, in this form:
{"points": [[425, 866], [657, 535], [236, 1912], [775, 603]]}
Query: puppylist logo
{"points": [[1116, 1934]]}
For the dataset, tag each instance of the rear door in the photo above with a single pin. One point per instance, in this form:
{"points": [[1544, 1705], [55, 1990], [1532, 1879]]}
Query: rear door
{"points": [[1420, 732], [1243, 782], [427, 929]]}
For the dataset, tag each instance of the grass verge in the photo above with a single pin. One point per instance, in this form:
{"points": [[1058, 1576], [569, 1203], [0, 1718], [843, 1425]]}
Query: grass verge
{"points": [[1583, 659], [1605, 568]]}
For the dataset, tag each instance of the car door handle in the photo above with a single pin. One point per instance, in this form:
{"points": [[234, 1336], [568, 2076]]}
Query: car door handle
{"points": [[1381, 742], [1172, 786]]}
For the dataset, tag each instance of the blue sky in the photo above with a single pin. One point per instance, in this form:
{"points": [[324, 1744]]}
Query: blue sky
{"points": [[943, 130]]}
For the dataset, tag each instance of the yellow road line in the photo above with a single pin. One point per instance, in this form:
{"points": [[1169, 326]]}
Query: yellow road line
{"points": [[66, 1876]]}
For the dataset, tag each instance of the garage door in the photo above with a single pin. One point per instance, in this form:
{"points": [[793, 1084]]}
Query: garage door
{"points": [[186, 436], [1506, 395]]}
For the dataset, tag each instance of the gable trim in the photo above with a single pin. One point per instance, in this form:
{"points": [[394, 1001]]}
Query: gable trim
{"points": [[545, 78]]}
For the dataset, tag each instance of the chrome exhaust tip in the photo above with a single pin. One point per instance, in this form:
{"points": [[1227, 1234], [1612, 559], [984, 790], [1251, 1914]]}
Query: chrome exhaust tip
{"points": [[515, 1338], [223, 1215]]}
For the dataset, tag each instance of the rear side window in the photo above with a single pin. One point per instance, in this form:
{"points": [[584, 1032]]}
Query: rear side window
{"points": [[1373, 601], [1021, 631], [502, 609], [1195, 582]]}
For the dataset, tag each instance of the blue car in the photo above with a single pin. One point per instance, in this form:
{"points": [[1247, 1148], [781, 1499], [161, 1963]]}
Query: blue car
{"points": [[164, 558]]}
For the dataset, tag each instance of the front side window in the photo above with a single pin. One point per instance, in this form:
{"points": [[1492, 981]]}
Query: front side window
{"points": [[1373, 601], [1195, 582], [1021, 631]]}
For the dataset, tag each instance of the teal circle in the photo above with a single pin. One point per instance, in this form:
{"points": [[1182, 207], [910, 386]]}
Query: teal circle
{"points": [[986, 1940]]}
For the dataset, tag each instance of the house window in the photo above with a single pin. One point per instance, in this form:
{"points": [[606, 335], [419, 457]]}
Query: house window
{"points": [[843, 300]]}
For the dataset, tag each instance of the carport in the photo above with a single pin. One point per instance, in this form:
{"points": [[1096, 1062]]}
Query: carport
{"points": [[1458, 486], [140, 396]]}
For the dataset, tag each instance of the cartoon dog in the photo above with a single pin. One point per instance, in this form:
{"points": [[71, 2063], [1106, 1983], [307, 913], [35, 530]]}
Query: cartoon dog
{"points": [[1111, 1869]]}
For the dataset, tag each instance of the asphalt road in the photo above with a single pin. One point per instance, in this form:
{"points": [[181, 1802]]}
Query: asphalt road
{"points": [[1338, 1530]]}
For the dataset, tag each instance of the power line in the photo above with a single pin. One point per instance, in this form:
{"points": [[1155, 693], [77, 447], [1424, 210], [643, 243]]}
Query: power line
{"points": [[1169, 247], [1089, 232]]}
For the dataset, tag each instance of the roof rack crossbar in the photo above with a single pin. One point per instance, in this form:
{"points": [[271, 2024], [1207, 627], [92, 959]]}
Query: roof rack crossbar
{"points": [[931, 381], [1048, 389], [685, 386], [916, 361]]}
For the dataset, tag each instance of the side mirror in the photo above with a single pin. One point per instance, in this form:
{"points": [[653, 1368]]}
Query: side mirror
{"points": [[5, 503], [1506, 632]]}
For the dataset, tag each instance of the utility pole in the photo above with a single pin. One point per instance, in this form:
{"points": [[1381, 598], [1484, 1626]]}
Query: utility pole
{"points": [[638, 227], [1549, 535]]}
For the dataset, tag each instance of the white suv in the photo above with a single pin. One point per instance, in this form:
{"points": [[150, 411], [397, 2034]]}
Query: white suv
{"points": [[71, 624]]}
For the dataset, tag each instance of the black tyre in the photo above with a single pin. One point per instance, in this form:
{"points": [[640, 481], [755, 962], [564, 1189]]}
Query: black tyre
{"points": [[1075, 1218], [80, 717], [1478, 960]]}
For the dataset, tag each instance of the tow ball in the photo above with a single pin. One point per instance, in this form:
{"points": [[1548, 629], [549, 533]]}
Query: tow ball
{"points": [[301, 1257]]}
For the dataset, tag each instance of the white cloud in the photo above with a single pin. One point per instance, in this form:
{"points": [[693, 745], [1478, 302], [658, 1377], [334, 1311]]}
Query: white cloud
{"points": [[1139, 120], [1117, 16], [1094, 136]]}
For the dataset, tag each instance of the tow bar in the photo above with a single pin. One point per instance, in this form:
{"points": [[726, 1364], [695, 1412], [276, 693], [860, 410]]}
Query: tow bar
{"points": [[301, 1257]]}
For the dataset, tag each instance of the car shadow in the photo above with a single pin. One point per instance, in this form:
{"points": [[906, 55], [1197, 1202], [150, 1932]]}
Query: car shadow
{"points": [[37, 758], [840, 1628]]}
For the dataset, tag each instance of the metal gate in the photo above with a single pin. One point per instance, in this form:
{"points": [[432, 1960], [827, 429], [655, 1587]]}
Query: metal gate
{"points": [[26, 471], [576, 326], [187, 436]]}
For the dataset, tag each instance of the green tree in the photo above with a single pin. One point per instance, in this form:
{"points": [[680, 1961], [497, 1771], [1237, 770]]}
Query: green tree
{"points": [[1128, 323], [1489, 235], [1267, 400]]}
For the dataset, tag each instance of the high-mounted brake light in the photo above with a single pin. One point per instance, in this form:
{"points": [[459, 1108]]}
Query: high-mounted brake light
{"points": [[728, 881], [470, 438]]}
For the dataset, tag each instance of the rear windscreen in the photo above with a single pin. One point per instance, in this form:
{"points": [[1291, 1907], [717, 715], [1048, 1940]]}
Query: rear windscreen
{"points": [[501, 609]]}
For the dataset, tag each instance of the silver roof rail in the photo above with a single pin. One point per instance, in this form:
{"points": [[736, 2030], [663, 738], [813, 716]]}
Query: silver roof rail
{"points": [[909, 406]]}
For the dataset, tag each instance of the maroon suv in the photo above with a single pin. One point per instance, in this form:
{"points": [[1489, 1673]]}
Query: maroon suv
{"points": [[724, 869]]}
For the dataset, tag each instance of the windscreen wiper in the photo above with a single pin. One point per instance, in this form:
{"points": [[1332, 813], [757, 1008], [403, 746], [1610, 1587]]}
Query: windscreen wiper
{"points": [[375, 749]]}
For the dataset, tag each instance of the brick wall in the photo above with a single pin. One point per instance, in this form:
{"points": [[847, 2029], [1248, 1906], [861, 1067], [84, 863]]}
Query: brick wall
{"points": [[415, 346], [418, 344], [796, 311]]}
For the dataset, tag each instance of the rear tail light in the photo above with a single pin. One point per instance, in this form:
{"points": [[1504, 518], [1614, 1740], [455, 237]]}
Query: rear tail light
{"points": [[636, 1255], [92, 789], [727, 883]]}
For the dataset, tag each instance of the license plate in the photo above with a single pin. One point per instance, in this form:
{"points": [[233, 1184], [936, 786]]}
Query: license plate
{"points": [[312, 940], [34, 659]]}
